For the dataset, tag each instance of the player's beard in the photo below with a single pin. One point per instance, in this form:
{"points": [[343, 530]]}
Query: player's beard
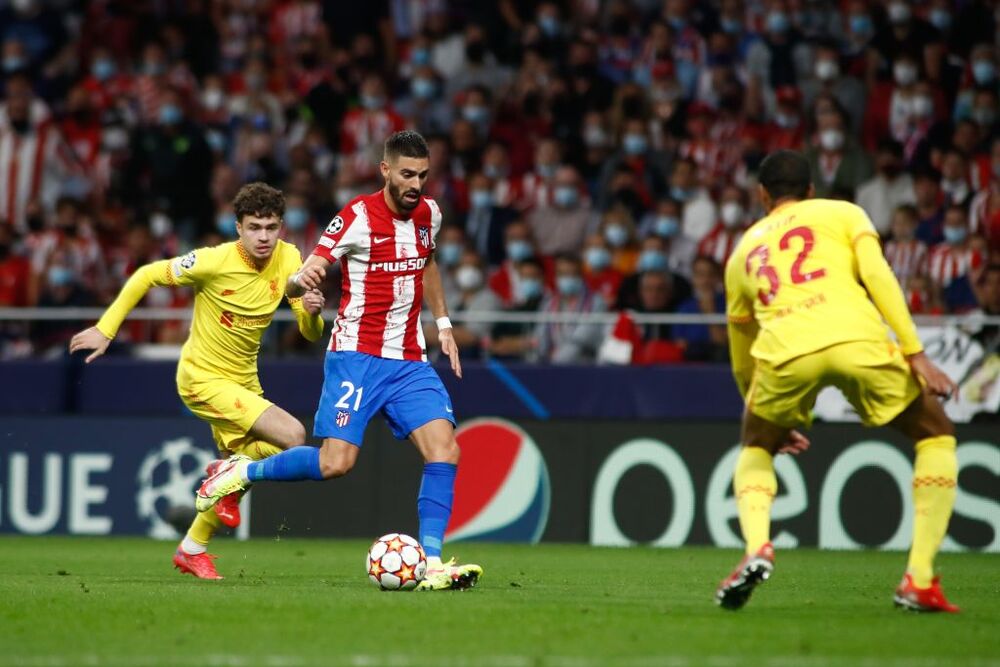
{"points": [[397, 198]]}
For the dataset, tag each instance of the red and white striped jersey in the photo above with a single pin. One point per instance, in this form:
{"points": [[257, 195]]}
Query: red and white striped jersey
{"points": [[382, 260], [33, 165], [719, 243], [907, 258], [946, 263]]}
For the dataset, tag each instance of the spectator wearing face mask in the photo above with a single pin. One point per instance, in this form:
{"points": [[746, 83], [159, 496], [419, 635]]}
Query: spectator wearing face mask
{"points": [[653, 257], [838, 163], [171, 167], [471, 294], [108, 85], [897, 105], [519, 246], [952, 262], [367, 125], [516, 340], [644, 344], [984, 211], [561, 227], [481, 67], [911, 37], [955, 178], [536, 188], [889, 189], [30, 137], [929, 205], [618, 229], [664, 223], [300, 227], [699, 209], [486, 220], [569, 342], [719, 243], [980, 73], [786, 129], [906, 254], [601, 278], [829, 77], [61, 288], [703, 342], [780, 55], [985, 115], [635, 154]]}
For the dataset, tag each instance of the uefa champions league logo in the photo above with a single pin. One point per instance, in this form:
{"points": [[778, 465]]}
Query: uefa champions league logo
{"points": [[168, 477]]}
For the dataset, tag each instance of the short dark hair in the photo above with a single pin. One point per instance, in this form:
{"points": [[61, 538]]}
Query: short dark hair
{"points": [[785, 174], [258, 199], [405, 143]]}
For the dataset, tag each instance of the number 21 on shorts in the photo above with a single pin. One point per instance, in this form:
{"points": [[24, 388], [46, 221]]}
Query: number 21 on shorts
{"points": [[769, 273], [344, 402]]}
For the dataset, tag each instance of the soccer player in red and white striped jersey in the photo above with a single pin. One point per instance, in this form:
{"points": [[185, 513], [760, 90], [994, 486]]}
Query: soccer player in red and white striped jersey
{"points": [[376, 361]]}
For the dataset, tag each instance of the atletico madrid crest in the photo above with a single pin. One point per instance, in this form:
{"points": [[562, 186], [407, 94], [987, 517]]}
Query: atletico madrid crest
{"points": [[343, 416], [425, 237]]}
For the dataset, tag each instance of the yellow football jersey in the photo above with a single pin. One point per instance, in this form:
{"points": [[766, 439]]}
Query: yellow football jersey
{"points": [[234, 303], [795, 272]]}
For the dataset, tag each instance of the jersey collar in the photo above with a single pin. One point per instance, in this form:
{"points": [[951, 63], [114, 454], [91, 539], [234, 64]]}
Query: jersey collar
{"points": [[248, 260]]}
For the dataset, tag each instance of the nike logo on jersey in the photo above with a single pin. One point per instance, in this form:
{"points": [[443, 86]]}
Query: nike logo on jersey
{"points": [[448, 410], [381, 239]]}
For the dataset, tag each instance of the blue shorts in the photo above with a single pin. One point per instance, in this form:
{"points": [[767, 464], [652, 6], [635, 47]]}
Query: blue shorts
{"points": [[356, 385]]}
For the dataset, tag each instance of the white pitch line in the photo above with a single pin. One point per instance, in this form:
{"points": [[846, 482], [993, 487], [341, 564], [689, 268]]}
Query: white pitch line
{"points": [[404, 660]]}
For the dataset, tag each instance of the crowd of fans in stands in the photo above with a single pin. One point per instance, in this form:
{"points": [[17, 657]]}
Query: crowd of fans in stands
{"points": [[588, 155]]}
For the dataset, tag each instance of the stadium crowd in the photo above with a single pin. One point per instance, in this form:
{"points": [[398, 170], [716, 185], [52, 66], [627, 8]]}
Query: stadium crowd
{"points": [[588, 155]]}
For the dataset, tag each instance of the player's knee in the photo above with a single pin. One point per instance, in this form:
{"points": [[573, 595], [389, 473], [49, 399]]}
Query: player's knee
{"points": [[296, 433], [447, 452]]}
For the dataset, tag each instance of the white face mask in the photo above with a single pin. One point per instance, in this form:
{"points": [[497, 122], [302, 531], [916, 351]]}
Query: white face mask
{"points": [[827, 70], [922, 106], [904, 73], [732, 214], [831, 140], [468, 278]]}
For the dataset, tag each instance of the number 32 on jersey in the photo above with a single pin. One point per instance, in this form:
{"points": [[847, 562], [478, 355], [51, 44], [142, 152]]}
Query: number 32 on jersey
{"points": [[797, 237]]}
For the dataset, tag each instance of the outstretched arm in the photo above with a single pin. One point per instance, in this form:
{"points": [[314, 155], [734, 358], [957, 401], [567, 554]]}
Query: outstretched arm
{"points": [[434, 295], [97, 338], [884, 290]]}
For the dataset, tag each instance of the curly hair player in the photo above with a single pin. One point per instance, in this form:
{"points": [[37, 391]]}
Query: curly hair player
{"points": [[238, 286], [376, 360]]}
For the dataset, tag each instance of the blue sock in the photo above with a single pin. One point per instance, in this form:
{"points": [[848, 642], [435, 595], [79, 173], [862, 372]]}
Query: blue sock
{"points": [[291, 465], [437, 490]]}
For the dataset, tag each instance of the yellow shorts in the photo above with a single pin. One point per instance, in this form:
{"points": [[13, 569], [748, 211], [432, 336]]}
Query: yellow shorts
{"points": [[872, 375], [231, 409]]}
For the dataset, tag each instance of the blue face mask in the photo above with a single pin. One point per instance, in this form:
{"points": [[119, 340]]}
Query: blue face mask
{"points": [[569, 285], [546, 170], [519, 250], [983, 72], [216, 140], [225, 224], [171, 114], [940, 18], [549, 25], [494, 171], [955, 235], [651, 260], [372, 102], [13, 63], [634, 144], [778, 22], [296, 218], [861, 24], [448, 254], [60, 276], [475, 114], [565, 196], [616, 235], [423, 88], [666, 226], [731, 26], [597, 258], [528, 289], [481, 199], [153, 68], [679, 193], [103, 69], [420, 56]]}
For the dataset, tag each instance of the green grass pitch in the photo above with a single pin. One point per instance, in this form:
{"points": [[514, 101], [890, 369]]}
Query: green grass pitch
{"points": [[288, 603]]}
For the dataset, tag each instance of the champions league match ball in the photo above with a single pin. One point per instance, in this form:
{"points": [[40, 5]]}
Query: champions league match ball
{"points": [[396, 562]]}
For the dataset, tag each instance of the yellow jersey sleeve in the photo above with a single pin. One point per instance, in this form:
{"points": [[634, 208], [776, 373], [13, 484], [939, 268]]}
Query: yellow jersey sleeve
{"points": [[739, 306], [886, 293], [164, 273]]}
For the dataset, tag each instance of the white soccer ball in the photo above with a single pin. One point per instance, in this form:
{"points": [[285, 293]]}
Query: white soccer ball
{"points": [[396, 562]]}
